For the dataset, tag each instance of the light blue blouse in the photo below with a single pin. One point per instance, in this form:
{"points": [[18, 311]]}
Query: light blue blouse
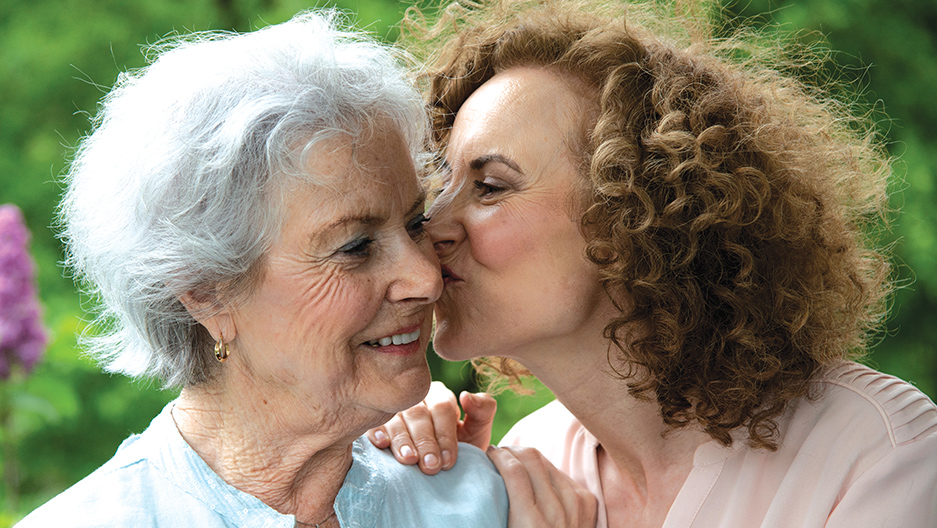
{"points": [[156, 480]]}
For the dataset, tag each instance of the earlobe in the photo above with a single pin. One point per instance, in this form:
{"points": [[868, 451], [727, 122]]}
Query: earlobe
{"points": [[217, 321]]}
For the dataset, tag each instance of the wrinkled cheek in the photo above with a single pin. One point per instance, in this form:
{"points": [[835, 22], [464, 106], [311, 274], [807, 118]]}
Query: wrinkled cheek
{"points": [[326, 313], [335, 302]]}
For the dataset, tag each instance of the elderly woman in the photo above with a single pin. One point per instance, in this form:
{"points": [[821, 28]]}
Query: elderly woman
{"points": [[673, 242], [248, 213]]}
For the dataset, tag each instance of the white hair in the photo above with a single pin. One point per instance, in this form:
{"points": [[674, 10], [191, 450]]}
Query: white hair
{"points": [[177, 189]]}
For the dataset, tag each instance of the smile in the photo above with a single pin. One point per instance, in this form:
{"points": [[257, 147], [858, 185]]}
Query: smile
{"points": [[396, 339]]}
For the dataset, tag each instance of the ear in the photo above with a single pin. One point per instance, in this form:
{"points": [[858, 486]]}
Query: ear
{"points": [[218, 321]]}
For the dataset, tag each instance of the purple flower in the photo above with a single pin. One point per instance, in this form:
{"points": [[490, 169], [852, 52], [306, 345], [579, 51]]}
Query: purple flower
{"points": [[22, 336]]}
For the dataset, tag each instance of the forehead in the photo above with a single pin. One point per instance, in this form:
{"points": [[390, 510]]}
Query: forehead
{"points": [[346, 161], [535, 105], [370, 174]]}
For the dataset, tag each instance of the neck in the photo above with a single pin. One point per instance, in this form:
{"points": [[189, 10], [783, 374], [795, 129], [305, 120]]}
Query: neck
{"points": [[630, 430], [294, 470]]}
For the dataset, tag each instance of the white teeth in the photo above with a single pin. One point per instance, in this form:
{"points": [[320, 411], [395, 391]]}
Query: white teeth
{"points": [[398, 339]]}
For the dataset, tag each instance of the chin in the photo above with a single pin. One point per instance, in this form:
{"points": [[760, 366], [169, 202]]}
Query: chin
{"points": [[447, 345], [412, 388]]}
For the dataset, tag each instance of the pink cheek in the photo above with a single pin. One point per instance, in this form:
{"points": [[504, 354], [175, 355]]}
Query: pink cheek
{"points": [[498, 239]]}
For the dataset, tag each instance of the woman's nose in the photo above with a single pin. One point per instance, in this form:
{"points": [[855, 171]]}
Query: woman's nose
{"points": [[445, 230], [419, 275]]}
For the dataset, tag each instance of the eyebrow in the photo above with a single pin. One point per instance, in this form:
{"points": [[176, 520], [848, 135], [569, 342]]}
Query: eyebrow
{"points": [[479, 162], [419, 203]]}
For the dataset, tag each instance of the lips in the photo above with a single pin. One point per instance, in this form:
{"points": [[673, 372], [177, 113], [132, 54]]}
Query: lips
{"points": [[448, 276], [396, 339], [400, 341]]}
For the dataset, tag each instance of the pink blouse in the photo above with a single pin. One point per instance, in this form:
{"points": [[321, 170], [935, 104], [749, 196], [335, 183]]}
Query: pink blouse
{"points": [[863, 455]]}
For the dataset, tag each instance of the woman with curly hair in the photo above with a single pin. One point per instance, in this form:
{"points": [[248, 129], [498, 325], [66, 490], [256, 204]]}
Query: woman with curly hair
{"points": [[674, 238]]}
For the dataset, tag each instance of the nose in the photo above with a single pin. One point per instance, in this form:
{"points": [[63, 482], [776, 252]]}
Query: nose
{"points": [[445, 229], [418, 274]]}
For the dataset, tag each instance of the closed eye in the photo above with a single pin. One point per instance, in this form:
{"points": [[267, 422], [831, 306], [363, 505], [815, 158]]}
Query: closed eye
{"points": [[417, 226], [358, 248], [486, 189]]}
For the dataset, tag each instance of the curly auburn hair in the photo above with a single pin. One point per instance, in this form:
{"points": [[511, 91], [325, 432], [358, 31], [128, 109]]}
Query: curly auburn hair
{"points": [[731, 205]]}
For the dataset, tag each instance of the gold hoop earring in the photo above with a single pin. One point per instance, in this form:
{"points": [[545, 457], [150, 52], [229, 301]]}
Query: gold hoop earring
{"points": [[221, 351]]}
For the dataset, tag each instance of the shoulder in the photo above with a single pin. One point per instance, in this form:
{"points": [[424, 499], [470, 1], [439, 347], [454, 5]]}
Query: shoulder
{"points": [[546, 422], [872, 439], [859, 452], [112, 494], [867, 427], [858, 417], [473, 469], [556, 433], [884, 406], [472, 493], [137, 488]]}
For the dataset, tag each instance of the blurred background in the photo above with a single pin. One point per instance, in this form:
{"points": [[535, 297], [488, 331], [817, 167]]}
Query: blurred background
{"points": [[58, 57]]}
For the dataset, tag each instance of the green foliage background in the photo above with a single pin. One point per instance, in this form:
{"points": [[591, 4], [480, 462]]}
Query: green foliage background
{"points": [[57, 58]]}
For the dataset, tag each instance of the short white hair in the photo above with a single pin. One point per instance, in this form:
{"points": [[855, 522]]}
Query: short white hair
{"points": [[177, 188]]}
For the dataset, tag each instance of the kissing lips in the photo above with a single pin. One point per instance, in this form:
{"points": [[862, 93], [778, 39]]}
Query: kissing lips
{"points": [[448, 276]]}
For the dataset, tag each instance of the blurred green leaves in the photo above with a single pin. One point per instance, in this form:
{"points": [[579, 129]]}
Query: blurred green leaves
{"points": [[888, 49]]}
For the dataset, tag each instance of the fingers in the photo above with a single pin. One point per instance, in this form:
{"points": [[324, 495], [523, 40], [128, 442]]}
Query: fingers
{"points": [[479, 416], [445, 413], [540, 494], [395, 435], [428, 433], [579, 504], [421, 435], [378, 437], [424, 434], [524, 477]]}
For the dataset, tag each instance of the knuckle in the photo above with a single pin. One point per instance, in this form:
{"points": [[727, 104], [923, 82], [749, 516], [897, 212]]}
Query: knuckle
{"points": [[398, 441], [528, 454], [400, 436], [438, 392], [444, 439], [395, 428], [449, 406], [513, 468], [425, 445], [505, 460], [438, 405], [416, 412]]}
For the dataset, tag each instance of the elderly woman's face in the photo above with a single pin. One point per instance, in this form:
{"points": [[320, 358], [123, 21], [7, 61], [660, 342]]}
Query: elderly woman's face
{"points": [[512, 252], [339, 323]]}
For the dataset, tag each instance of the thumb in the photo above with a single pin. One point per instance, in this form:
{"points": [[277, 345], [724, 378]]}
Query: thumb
{"points": [[479, 410]]}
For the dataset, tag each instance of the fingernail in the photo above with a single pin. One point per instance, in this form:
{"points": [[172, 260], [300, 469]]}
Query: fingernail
{"points": [[491, 447], [380, 436], [406, 451], [431, 461], [446, 458]]}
